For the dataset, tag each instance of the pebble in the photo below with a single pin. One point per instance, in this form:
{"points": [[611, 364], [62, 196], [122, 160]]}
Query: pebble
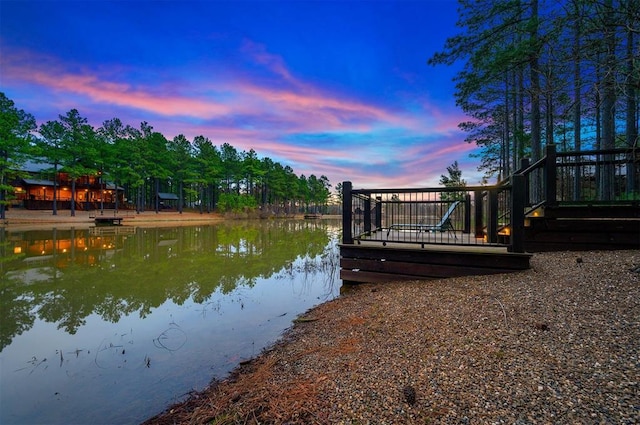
{"points": [[567, 352]]}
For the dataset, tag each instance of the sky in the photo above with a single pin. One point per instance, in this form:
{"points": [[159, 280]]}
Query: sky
{"points": [[334, 88]]}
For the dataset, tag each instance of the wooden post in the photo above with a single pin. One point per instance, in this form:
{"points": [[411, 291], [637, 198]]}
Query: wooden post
{"points": [[550, 175], [518, 191], [492, 219], [478, 210], [347, 213], [378, 212]]}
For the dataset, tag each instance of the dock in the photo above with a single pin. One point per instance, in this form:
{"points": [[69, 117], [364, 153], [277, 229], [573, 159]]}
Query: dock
{"points": [[554, 204], [108, 221]]}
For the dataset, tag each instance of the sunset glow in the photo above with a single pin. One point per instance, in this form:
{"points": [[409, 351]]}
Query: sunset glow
{"points": [[340, 89]]}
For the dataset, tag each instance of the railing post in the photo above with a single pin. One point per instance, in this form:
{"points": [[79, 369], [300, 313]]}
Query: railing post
{"points": [[367, 214], [492, 219], [550, 175], [631, 174], [378, 212], [467, 214], [518, 189], [347, 213], [524, 164], [478, 210]]}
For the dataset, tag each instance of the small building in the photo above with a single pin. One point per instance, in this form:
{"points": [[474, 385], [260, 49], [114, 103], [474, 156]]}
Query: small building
{"points": [[168, 200], [36, 192]]}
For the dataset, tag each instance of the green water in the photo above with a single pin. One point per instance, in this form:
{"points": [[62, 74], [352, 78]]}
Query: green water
{"points": [[106, 327]]}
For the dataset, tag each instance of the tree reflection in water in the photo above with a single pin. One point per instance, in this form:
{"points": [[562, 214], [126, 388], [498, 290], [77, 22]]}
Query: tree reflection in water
{"points": [[112, 327], [63, 276]]}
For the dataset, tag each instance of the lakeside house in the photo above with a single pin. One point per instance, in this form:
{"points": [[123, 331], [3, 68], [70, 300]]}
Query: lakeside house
{"points": [[39, 185]]}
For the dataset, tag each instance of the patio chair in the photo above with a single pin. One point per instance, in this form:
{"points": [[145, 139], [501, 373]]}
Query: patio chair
{"points": [[444, 225]]}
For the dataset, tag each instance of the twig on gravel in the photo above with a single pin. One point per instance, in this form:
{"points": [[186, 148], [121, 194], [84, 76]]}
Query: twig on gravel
{"points": [[504, 313]]}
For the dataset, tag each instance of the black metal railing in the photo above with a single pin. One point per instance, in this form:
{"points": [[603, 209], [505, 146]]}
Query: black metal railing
{"points": [[605, 176], [450, 216], [492, 215]]}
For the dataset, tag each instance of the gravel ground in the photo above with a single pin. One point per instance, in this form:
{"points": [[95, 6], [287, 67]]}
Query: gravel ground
{"points": [[556, 344]]}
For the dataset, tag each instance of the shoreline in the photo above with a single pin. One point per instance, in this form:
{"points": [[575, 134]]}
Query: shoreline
{"points": [[18, 219], [557, 343], [15, 217]]}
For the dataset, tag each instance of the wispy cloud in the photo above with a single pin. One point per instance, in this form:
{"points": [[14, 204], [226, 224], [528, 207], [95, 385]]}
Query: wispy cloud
{"points": [[314, 129]]}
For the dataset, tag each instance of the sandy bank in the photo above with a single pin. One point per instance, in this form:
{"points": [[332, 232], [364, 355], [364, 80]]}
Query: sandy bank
{"points": [[20, 219]]}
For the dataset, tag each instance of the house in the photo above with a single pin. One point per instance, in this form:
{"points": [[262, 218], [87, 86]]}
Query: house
{"points": [[37, 190]]}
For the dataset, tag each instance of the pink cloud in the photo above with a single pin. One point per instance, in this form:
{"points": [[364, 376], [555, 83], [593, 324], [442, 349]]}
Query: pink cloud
{"points": [[120, 94], [249, 113], [258, 53], [301, 108]]}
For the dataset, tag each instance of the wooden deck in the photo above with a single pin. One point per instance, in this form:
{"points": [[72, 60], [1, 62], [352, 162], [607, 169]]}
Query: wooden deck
{"points": [[371, 261], [582, 234], [406, 253], [396, 236], [108, 221], [558, 202], [112, 230]]}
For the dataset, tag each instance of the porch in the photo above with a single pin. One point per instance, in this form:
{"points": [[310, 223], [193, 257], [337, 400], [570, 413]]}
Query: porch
{"points": [[587, 200]]}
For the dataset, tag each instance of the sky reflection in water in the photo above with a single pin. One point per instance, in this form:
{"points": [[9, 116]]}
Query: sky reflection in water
{"points": [[113, 328]]}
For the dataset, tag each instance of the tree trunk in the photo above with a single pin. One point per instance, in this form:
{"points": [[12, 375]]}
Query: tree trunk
{"points": [[73, 197], [55, 189], [3, 191], [157, 194], [180, 198], [536, 142], [609, 100], [631, 130], [507, 128], [549, 113], [577, 100]]}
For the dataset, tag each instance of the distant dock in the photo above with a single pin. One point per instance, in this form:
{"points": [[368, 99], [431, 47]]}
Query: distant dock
{"points": [[108, 221]]}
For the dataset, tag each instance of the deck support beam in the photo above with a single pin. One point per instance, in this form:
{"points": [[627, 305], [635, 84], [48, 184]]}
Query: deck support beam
{"points": [[518, 200]]}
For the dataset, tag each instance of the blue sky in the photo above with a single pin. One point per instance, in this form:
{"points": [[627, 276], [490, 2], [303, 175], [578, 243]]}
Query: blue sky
{"points": [[335, 88]]}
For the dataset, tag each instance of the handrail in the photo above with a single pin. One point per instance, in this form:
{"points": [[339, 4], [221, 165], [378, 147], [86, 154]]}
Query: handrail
{"points": [[597, 152], [539, 163], [545, 183], [370, 211], [420, 189]]}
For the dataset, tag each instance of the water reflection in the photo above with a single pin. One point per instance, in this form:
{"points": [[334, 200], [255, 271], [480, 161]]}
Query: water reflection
{"points": [[73, 282]]}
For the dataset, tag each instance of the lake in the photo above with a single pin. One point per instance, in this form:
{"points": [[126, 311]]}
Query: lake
{"points": [[111, 325]]}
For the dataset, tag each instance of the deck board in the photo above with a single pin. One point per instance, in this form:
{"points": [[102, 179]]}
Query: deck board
{"points": [[386, 237], [369, 261]]}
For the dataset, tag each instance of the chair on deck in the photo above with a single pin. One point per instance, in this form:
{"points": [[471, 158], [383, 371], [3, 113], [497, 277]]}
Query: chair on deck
{"points": [[443, 225]]}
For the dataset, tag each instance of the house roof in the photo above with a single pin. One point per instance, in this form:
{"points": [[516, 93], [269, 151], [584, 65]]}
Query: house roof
{"points": [[38, 182], [35, 166], [167, 196]]}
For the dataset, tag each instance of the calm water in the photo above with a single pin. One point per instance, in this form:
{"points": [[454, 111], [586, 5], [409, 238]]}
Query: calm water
{"points": [[112, 328]]}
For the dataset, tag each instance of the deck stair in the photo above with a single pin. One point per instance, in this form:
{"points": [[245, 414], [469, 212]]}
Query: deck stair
{"points": [[580, 227]]}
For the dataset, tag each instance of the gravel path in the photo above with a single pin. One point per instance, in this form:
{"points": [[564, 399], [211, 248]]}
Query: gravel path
{"points": [[556, 344]]}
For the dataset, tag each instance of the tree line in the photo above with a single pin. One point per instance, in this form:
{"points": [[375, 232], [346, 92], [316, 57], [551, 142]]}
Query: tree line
{"points": [[145, 163], [539, 72]]}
